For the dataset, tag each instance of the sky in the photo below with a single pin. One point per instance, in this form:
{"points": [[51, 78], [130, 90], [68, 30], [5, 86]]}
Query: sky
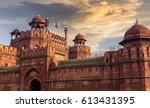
{"points": [[102, 22]]}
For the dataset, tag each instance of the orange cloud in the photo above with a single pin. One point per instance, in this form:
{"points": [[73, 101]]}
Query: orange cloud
{"points": [[105, 18], [97, 19], [104, 11]]}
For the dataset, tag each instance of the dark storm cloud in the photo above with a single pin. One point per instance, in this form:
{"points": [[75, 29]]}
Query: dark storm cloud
{"points": [[28, 10], [18, 16]]}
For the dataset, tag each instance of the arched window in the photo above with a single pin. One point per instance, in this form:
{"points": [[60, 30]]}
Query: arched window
{"points": [[129, 54], [6, 64], [137, 52], [24, 47], [107, 60], [148, 51]]}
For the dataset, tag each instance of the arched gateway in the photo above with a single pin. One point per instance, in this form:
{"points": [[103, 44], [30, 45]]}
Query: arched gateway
{"points": [[35, 85], [32, 80]]}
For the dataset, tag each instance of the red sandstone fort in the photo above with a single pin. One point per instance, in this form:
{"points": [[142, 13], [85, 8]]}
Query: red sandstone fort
{"points": [[38, 59]]}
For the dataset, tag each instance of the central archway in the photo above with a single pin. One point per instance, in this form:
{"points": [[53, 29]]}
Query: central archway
{"points": [[35, 85]]}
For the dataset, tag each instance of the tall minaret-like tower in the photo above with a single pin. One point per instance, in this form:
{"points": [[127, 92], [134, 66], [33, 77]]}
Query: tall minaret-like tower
{"points": [[47, 23], [66, 35]]}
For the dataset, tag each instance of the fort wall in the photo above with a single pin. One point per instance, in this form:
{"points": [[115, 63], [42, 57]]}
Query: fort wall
{"points": [[87, 77], [121, 70], [9, 81]]}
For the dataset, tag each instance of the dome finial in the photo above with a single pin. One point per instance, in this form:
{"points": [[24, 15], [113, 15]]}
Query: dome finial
{"points": [[137, 22]]}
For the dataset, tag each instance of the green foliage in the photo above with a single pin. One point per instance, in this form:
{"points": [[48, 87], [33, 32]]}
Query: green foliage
{"points": [[87, 61], [9, 68]]}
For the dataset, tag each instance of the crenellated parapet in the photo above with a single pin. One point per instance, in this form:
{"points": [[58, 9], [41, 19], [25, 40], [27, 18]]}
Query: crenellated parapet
{"points": [[8, 55], [58, 38], [40, 34], [33, 53], [8, 50], [31, 34], [21, 36], [127, 54]]}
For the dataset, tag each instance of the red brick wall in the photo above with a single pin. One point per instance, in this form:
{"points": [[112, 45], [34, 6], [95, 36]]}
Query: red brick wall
{"points": [[79, 78], [9, 81]]}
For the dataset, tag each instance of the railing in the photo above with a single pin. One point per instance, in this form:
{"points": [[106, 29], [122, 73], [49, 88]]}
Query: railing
{"points": [[98, 54], [115, 47], [101, 53]]}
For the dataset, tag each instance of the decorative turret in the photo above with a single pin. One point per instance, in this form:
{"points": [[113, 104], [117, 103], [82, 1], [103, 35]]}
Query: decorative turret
{"points": [[79, 50], [38, 23], [79, 40], [66, 33], [46, 23], [136, 33], [15, 33]]}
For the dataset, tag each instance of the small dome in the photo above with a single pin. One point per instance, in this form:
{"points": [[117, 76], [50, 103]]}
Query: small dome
{"points": [[15, 31], [136, 30], [79, 37], [38, 19]]}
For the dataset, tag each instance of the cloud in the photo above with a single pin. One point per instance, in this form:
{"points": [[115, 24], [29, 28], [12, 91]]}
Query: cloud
{"points": [[3, 38], [20, 15], [104, 11], [96, 19], [104, 18], [13, 3]]}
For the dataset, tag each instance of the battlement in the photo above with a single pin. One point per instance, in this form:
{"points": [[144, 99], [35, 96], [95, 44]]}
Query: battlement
{"points": [[23, 35], [54, 36], [31, 34], [27, 33], [33, 53], [8, 49], [40, 34], [58, 38], [128, 54]]}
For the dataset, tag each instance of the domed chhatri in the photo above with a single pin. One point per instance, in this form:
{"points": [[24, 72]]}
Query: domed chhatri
{"points": [[80, 49], [15, 32], [137, 31], [79, 40], [79, 37], [38, 19], [39, 22]]}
